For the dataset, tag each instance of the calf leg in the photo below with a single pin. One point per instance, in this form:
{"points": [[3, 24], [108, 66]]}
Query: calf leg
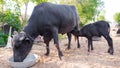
{"points": [[110, 43], [55, 37], [69, 40], [90, 43]]}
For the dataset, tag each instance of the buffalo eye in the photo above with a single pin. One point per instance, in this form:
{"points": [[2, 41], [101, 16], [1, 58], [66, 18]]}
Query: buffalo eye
{"points": [[27, 40], [17, 44]]}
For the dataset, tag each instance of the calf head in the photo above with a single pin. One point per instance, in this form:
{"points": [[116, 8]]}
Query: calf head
{"points": [[76, 32], [22, 44]]}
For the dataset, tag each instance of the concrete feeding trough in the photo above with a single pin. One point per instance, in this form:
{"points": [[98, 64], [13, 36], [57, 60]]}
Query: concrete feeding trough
{"points": [[29, 61]]}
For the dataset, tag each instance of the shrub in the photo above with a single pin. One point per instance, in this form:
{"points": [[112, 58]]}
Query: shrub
{"points": [[3, 39]]}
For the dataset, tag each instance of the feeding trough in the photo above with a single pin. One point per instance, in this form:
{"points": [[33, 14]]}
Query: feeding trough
{"points": [[29, 61]]}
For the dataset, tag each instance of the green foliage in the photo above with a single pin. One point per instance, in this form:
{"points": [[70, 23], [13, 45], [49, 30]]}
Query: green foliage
{"points": [[21, 2], [26, 2], [10, 14], [101, 17], [38, 1], [3, 39], [1, 17], [61, 36], [117, 17], [89, 10], [11, 18]]}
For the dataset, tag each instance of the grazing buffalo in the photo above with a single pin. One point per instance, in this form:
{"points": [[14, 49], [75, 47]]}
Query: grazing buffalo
{"points": [[47, 20], [99, 28]]}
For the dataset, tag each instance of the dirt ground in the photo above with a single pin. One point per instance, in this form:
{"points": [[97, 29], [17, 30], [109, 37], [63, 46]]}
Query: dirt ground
{"points": [[73, 58]]}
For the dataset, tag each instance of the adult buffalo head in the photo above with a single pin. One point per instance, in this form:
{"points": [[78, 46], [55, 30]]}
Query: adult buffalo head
{"points": [[22, 44]]}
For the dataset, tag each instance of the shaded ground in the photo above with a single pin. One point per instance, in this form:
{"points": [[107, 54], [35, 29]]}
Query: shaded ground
{"points": [[74, 58]]}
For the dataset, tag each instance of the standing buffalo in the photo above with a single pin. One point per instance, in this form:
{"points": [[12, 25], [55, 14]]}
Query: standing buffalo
{"points": [[47, 20], [99, 28]]}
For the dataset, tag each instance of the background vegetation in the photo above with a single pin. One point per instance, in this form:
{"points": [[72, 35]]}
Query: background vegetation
{"points": [[117, 18]]}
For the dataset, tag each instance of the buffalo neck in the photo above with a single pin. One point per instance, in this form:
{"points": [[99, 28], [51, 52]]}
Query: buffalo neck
{"points": [[31, 31]]}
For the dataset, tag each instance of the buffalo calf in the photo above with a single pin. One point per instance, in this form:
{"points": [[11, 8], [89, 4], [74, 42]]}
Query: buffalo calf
{"points": [[99, 28]]}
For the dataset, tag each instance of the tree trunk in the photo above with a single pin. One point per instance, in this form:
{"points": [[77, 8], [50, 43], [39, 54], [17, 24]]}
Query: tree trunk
{"points": [[26, 7]]}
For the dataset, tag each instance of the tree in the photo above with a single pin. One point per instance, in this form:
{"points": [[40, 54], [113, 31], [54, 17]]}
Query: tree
{"points": [[117, 17], [10, 14], [101, 17], [38, 1], [90, 9], [20, 3], [12, 19]]}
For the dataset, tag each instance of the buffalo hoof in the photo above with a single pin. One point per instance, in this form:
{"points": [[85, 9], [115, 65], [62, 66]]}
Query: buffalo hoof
{"points": [[110, 51], [92, 48], [78, 46], [68, 48], [60, 55], [46, 54]]}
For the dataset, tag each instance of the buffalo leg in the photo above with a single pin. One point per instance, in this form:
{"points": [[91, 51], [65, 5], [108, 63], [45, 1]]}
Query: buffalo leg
{"points": [[55, 37], [110, 43], [69, 40], [46, 41], [78, 44], [47, 50], [76, 34]]}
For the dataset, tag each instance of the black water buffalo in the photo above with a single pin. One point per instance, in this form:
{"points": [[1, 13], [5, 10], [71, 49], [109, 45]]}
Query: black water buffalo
{"points": [[47, 20], [99, 28]]}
